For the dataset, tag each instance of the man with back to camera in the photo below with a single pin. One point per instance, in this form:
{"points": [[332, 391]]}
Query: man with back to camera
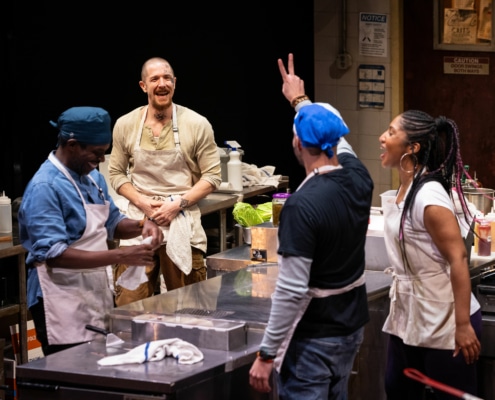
{"points": [[65, 220], [164, 160], [320, 305]]}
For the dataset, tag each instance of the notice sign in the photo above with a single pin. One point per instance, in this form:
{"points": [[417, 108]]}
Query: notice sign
{"points": [[373, 34], [466, 65]]}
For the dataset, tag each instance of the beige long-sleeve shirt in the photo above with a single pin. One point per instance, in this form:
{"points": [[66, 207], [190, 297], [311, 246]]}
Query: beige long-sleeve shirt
{"points": [[197, 143]]}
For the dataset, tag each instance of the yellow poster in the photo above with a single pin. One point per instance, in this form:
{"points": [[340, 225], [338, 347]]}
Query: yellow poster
{"points": [[460, 26]]}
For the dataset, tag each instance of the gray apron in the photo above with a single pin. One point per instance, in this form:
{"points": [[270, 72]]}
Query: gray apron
{"points": [[76, 297]]}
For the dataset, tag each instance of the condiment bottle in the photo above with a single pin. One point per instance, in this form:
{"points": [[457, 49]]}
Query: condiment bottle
{"points": [[5, 214], [278, 200]]}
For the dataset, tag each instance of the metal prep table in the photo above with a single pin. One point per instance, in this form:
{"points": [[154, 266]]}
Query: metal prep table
{"points": [[237, 296], [220, 202]]}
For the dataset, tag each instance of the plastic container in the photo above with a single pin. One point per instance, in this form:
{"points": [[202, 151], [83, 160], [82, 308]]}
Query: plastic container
{"points": [[278, 201], [485, 239], [5, 214], [490, 217], [234, 170]]}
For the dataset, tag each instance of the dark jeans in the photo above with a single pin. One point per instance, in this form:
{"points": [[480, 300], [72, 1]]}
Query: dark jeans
{"points": [[38, 314], [318, 368]]}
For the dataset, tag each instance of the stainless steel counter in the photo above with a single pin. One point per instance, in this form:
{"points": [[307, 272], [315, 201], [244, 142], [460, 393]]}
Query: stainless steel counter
{"points": [[239, 295], [243, 295]]}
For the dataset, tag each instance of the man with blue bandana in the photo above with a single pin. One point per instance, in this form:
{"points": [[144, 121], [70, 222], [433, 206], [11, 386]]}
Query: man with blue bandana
{"points": [[65, 220], [320, 306]]}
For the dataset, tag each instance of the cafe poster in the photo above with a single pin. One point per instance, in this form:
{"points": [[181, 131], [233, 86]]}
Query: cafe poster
{"points": [[466, 24], [460, 26]]}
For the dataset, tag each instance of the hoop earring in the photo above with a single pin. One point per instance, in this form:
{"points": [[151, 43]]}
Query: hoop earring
{"points": [[415, 162]]}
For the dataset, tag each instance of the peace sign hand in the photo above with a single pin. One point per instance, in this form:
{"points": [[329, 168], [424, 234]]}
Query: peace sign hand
{"points": [[292, 85]]}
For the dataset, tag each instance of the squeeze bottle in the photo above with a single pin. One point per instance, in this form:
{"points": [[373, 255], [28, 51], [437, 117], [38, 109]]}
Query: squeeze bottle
{"points": [[5, 214], [234, 170]]}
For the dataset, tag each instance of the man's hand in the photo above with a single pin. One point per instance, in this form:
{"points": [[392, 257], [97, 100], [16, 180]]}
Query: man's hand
{"points": [[292, 85], [151, 229], [168, 210], [259, 376]]}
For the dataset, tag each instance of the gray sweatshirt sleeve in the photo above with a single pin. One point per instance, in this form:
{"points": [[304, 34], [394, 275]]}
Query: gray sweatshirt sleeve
{"points": [[292, 286]]}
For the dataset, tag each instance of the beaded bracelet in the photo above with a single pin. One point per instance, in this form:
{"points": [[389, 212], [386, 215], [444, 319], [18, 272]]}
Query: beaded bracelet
{"points": [[296, 100]]}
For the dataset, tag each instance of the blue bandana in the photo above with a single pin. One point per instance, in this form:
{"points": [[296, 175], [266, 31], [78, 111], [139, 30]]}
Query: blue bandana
{"points": [[319, 125], [90, 125]]}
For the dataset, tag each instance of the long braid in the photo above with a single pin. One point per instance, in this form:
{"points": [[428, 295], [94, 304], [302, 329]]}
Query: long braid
{"points": [[440, 157]]}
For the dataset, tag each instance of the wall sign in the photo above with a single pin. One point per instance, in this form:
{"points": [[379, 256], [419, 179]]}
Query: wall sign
{"points": [[373, 34], [466, 65], [372, 86], [464, 25]]}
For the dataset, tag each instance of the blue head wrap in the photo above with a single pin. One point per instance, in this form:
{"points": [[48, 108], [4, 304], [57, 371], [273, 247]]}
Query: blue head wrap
{"points": [[320, 125], [90, 125]]}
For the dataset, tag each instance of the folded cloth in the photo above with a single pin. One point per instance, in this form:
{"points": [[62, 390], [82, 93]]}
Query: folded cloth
{"points": [[184, 352], [252, 175], [179, 241]]}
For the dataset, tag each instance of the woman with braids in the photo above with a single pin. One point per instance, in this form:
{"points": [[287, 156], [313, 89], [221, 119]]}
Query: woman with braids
{"points": [[434, 321]]}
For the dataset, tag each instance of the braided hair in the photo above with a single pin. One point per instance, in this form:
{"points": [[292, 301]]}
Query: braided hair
{"points": [[439, 156]]}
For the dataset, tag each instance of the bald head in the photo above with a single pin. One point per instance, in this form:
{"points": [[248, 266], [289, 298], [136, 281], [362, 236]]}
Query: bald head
{"points": [[152, 61]]}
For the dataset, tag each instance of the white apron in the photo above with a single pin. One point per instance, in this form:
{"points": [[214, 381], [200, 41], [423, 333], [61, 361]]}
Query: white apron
{"points": [[312, 292], [414, 316], [76, 297], [163, 175]]}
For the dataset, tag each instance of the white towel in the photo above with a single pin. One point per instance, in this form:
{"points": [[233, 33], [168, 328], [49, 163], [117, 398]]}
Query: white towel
{"points": [[179, 241], [133, 276], [184, 352], [252, 175]]}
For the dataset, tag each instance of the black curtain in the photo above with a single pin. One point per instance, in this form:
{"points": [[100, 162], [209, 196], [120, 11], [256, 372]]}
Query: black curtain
{"points": [[225, 61]]}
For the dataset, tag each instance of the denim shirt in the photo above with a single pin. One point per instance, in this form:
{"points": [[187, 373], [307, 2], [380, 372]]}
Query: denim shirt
{"points": [[52, 216]]}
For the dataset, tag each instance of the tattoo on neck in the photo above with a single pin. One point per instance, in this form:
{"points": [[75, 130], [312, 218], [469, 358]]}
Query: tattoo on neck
{"points": [[160, 116]]}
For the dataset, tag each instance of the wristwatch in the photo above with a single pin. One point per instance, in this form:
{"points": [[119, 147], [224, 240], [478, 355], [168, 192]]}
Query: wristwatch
{"points": [[264, 356], [183, 203]]}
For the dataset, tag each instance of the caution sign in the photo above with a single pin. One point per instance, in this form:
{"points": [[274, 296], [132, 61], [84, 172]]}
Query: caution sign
{"points": [[466, 65]]}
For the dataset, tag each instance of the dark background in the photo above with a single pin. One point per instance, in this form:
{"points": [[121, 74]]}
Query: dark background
{"points": [[90, 54]]}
